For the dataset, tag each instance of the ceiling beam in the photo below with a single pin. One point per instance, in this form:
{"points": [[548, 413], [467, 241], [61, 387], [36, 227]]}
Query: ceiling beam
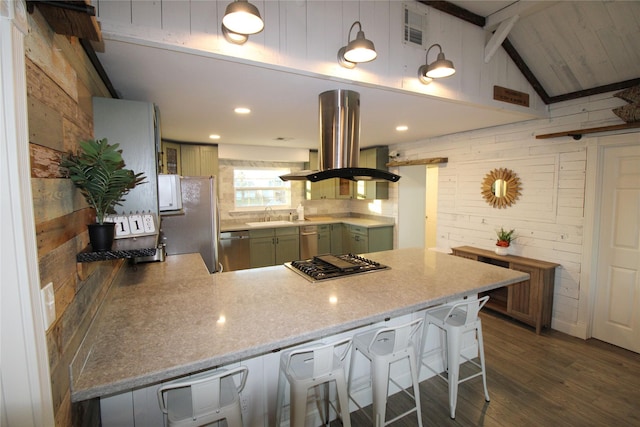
{"points": [[526, 72], [457, 11], [498, 37], [594, 90], [524, 8]]}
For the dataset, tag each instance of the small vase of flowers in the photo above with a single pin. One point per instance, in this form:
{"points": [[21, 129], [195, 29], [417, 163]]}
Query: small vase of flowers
{"points": [[504, 241]]}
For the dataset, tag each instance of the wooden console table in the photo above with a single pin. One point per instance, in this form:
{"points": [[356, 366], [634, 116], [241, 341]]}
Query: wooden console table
{"points": [[531, 301]]}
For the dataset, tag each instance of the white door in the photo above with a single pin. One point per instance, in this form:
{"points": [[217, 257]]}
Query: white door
{"points": [[617, 305]]}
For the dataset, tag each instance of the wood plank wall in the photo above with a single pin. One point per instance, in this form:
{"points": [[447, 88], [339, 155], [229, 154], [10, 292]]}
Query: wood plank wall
{"points": [[60, 84]]}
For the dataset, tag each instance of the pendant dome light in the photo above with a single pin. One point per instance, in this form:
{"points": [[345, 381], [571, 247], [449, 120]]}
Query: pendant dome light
{"points": [[241, 17], [358, 50], [441, 67]]}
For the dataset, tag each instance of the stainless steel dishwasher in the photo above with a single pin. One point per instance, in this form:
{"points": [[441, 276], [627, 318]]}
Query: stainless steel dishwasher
{"points": [[308, 241], [234, 250]]}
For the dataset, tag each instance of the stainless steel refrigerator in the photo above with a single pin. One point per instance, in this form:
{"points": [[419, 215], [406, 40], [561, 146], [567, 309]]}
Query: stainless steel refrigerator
{"points": [[196, 227]]}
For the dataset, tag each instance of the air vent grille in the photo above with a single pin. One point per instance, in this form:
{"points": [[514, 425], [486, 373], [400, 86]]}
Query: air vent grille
{"points": [[414, 27]]}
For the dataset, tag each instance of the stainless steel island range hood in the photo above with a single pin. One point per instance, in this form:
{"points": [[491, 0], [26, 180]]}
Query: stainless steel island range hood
{"points": [[339, 152]]}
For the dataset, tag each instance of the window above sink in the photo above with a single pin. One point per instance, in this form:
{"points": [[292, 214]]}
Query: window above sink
{"points": [[261, 188]]}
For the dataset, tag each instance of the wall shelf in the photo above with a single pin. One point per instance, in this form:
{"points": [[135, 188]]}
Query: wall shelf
{"points": [[134, 247], [430, 161], [577, 133], [69, 18]]}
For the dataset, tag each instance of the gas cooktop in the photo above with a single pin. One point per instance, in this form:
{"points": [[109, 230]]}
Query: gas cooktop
{"points": [[325, 267]]}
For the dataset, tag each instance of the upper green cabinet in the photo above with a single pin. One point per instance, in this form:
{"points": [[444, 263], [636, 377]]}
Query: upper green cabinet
{"points": [[199, 160], [335, 188], [340, 188], [374, 158]]}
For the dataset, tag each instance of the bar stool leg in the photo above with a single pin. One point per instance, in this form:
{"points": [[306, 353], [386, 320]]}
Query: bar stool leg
{"points": [[484, 371], [280, 397], [416, 384], [298, 406], [380, 372], [343, 400], [453, 362]]}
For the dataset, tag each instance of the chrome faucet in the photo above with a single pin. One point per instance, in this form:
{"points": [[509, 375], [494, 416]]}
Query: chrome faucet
{"points": [[268, 211]]}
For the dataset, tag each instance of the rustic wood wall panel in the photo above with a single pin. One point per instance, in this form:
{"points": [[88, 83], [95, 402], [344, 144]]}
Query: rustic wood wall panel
{"points": [[51, 198], [55, 232], [60, 83]]}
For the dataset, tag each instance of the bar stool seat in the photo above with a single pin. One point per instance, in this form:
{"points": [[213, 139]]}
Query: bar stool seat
{"points": [[454, 321], [203, 399], [306, 368], [383, 347]]}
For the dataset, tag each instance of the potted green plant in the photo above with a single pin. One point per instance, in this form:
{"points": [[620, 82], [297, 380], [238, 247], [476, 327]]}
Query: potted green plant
{"points": [[98, 170], [504, 241]]}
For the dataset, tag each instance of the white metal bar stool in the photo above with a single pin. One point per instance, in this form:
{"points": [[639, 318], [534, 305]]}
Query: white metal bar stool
{"points": [[454, 321], [306, 368], [383, 347], [203, 399]]}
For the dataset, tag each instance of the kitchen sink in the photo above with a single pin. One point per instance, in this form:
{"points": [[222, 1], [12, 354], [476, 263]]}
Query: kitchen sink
{"points": [[268, 223]]}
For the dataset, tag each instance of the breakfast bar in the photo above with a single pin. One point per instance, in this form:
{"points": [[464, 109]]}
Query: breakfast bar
{"points": [[164, 320]]}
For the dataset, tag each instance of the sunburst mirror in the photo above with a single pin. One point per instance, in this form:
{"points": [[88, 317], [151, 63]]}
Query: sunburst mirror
{"points": [[501, 188]]}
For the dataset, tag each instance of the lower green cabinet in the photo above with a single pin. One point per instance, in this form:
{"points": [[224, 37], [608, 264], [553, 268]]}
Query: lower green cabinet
{"points": [[358, 240], [324, 239], [336, 239], [330, 239], [273, 246]]}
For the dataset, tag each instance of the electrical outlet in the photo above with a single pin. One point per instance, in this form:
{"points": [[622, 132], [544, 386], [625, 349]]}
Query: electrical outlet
{"points": [[48, 301]]}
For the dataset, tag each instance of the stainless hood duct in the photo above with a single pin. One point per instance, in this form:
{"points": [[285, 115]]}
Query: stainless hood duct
{"points": [[339, 152]]}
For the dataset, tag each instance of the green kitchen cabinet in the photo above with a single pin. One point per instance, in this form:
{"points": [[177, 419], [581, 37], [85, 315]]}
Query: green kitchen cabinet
{"points": [[358, 239], [380, 239], [273, 246], [262, 251], [287, 244], [330, 239], [374, 158], [324, 239], [199, 160], [335, 188], [336, 239]]}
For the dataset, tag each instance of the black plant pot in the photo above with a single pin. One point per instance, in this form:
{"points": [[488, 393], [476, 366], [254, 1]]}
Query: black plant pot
{"points": [[101, 236]]}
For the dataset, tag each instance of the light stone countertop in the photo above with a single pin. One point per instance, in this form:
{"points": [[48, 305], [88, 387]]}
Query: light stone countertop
{"points": [[164, 320], [318, 220]]}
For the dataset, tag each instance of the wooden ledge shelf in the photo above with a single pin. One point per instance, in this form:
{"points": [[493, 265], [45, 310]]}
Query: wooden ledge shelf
{"points": [[577, 133], [122, 248], [431, 161]]}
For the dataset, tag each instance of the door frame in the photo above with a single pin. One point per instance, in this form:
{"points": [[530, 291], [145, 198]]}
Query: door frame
{"points": [[592, 215]]}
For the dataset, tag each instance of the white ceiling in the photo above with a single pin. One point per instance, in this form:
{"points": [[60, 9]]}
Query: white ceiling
{"points": [[560, 42], [196, 95]]}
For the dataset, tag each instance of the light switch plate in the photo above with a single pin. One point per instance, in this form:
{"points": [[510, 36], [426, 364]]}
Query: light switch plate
{"points": [[48, 300]]}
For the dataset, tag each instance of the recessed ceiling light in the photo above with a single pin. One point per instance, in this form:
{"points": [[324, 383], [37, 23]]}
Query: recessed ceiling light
{"points": [[214, 136], [242, 110], [402, 128]]}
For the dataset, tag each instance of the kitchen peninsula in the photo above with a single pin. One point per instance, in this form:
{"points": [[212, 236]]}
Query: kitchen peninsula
{"points": [[164, 320]]}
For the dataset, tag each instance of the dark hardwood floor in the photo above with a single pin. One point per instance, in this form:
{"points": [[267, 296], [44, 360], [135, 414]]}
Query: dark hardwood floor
{"points": [[551, 379]]}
